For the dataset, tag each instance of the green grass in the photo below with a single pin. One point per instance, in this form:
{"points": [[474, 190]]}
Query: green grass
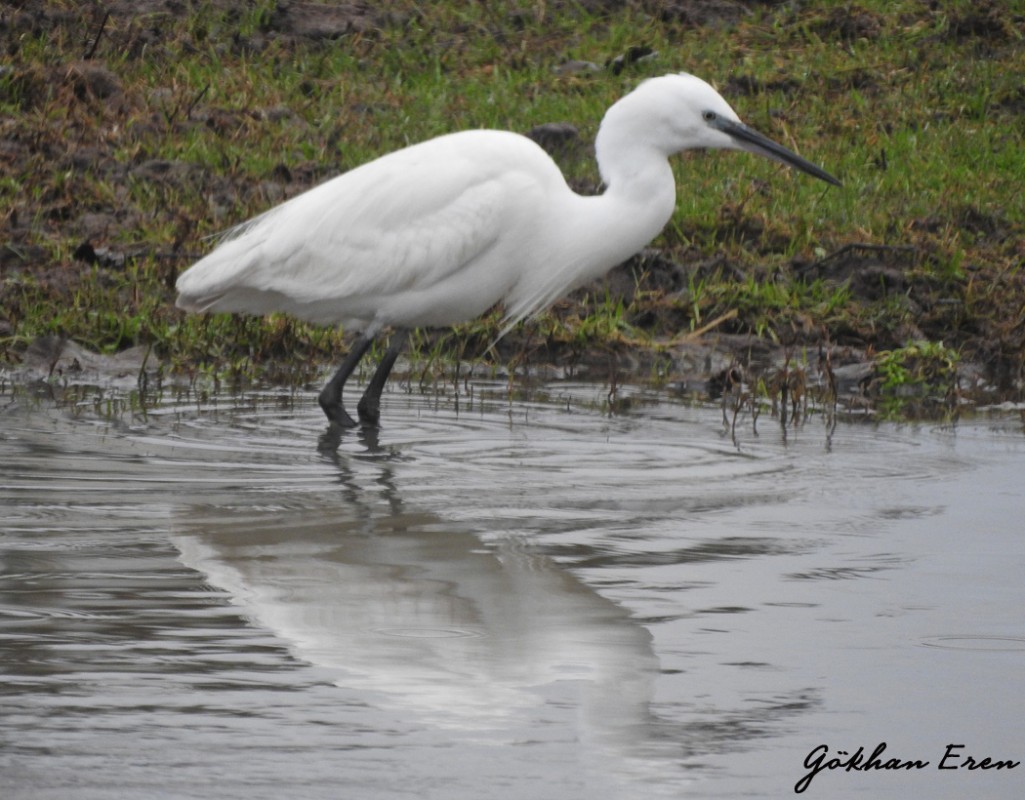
{"points": [[917, 379], [916, 106]]}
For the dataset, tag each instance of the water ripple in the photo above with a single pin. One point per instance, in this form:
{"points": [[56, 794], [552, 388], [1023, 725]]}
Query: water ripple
{"points": [[192, 586]]}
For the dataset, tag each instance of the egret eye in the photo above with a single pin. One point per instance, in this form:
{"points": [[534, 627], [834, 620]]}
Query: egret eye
{"points": [[708, 116]]}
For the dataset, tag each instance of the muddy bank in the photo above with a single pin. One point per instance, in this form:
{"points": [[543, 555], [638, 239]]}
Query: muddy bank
{"points": [[745, 374], [108, 210]]}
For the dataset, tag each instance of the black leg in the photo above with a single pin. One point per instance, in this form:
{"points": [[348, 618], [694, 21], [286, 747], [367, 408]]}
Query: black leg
{"points": [[369, 407], [331, 397]]}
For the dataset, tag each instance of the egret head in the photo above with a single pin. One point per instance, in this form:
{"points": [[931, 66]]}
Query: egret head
{"points": [[682, 112]]}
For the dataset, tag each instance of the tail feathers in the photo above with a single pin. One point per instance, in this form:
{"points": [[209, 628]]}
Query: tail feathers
{"points": [[238, 299], [199, 303], [214, 283], [203, 285]]}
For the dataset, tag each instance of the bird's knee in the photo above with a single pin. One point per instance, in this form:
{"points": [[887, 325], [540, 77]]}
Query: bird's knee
{"points": [[325, 401]]}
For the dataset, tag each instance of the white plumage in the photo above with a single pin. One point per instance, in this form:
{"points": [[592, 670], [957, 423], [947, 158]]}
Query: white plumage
{"points": [[439, 232]]}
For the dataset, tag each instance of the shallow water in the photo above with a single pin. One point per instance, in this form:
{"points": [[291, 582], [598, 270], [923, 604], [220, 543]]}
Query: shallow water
{"points": [[512, 600]]}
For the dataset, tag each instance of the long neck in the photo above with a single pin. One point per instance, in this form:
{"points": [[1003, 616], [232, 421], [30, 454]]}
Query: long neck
{"points": [[629, 164], [639, 199], [590, 235]]}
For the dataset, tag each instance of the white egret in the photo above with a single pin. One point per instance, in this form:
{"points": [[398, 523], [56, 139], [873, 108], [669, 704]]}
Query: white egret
{"points": [[439, 232]]}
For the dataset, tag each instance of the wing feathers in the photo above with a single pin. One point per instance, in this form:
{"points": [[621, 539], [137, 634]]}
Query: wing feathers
{"points": [[406, 221]]}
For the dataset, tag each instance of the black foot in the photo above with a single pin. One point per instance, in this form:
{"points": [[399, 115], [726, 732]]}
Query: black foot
{"points": [[336, 414], [369, 411]]}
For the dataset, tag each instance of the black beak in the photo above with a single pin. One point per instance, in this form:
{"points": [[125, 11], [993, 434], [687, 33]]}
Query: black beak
{"points": [[752, 141]]}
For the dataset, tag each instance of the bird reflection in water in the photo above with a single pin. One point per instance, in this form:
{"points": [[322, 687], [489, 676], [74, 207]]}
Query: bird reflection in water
{"points": [[423, 616]]}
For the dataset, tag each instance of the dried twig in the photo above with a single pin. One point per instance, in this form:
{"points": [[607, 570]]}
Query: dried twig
{"points": [[96, 39], [869, 248]]}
